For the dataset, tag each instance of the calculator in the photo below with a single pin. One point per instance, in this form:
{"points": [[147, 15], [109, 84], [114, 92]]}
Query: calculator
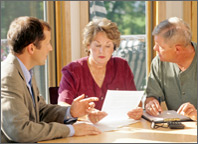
{"points": [[175, 125]]}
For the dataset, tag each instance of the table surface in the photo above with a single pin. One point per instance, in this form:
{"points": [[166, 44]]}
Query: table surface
{"points": [[139, 132]]}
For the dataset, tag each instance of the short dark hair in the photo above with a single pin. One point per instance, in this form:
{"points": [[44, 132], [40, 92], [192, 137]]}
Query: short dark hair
{"points": [[24, 31]]}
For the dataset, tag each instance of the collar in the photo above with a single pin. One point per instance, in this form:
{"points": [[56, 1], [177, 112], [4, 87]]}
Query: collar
{"points": [[27, 74]]}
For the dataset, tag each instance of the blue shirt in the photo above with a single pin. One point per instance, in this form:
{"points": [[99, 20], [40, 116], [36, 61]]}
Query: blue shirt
{"points": [[28, 75]]}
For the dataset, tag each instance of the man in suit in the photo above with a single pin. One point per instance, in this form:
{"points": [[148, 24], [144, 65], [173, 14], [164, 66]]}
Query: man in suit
{"points": [[173, 76], [25, 117]]}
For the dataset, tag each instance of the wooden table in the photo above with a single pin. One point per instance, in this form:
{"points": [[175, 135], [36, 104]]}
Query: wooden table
{"points": [[139, 132]]}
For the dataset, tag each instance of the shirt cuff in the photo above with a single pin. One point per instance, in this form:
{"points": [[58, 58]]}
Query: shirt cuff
{"points": [[68, 114], [72, 131]]}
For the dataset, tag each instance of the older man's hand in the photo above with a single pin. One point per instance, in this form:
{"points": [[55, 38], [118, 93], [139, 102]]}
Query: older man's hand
{"points": [[188, 110], [153, 107]]}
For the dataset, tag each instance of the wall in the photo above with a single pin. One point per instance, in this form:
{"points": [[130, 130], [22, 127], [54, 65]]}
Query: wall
{"points": [[174, 8], [75, 30]]}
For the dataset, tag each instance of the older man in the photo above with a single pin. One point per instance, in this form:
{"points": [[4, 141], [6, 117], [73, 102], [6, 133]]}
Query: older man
{"points": [[173, 76]]}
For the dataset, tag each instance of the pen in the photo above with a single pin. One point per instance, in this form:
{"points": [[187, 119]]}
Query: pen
{"points": [[159, 100]]}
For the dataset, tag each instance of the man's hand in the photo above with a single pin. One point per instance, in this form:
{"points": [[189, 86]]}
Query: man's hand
{"points": [[135, 113], [153, 107], [82, 129], [96, 115], [188, 110], [81, 106]]}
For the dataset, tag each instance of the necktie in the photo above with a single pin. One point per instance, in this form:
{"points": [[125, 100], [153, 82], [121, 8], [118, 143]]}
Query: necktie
{"points": [[31, 90]]}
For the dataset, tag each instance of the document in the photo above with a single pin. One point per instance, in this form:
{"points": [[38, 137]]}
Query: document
{"points": [[169, 115], [117, 104]]}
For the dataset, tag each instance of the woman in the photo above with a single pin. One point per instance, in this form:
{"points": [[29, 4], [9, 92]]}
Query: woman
{"points": [[95, 74]]}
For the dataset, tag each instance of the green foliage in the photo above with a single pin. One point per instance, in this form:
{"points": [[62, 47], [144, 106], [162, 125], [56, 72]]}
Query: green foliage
{"points": [[129, 16], [13, 9]]}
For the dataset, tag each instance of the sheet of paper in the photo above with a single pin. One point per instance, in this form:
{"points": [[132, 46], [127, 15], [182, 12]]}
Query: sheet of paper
{"points": [[117, 104], [109, 125], [113, 125]]}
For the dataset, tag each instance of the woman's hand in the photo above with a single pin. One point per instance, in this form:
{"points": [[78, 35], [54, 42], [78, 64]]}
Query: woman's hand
{"points": [[135, 113], [96, 115]]}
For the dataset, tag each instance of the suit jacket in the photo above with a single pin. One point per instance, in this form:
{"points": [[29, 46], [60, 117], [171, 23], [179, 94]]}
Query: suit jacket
{"points": [[20, 120]]}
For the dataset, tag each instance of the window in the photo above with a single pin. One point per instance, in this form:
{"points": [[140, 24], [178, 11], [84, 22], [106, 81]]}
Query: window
{"points": [[131, 18], [11, 10]]}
